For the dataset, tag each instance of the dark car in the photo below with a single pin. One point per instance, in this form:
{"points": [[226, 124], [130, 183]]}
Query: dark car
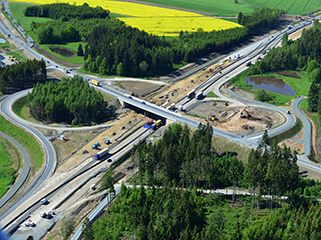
{"points": [[249, 64], [48, 62], [56, 66]]}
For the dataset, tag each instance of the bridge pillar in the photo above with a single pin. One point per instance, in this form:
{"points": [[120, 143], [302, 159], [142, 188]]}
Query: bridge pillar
{"points": [[124, 104]]}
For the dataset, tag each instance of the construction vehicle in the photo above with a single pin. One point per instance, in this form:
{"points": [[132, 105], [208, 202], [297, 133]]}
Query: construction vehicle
{"points": [[94, 82], [96, 145], [212, 118], [154, 126], [148, 123], [100, 155], [191, 93], [158, 122]]}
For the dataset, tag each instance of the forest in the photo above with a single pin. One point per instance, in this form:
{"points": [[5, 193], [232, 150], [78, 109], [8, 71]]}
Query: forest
{"points": [[14, 78], [182, 163], [293, 54], [116, 49], [71, 23], [173, 213], [127, 51], [65, 11], [188, 159], [71, 101]]}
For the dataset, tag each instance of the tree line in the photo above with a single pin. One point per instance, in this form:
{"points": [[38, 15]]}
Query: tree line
{"points": [[293, 54], [188, 159], [172, 213], [65, 11], [125, 51], [70, 23], [14, 78], [179, 209], [114, 48], [72, 101]]}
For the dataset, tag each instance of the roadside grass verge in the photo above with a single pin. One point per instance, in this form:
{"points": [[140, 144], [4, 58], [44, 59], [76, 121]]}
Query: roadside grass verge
{"points": [[195, 115], [9, 165], [287, 134], [119, 84], [222, 145], [20, 56], [6, 44], [31, 145], [300, 86], [21, 108], [211, 94]]}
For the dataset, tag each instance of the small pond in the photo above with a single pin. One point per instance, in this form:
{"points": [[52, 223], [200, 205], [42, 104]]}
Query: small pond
{"points": [[63, 51], [271, 84]]}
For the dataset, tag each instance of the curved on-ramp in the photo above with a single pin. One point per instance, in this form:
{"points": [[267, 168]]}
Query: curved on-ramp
{"points": [[49, 152]]}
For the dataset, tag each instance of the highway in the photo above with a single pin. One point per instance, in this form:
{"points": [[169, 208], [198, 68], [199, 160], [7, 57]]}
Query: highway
{"points": [[58, 190], [50, 154], [32, 196]]}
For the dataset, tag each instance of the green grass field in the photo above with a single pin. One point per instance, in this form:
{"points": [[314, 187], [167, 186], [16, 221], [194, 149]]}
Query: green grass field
{"points": [[31, 145], [72, 46], [17, 11], [229, 8], [300, 86], [9, 164]]}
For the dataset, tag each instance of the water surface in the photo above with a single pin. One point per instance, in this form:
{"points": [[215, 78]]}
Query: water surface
{"points": [[272, 84]]}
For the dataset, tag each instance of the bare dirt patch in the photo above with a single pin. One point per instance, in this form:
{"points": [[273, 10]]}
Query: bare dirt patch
{"points": [[177, 90], [10, 27], [86, 151], [293, 145], [238, 119], [140, 89], [56, 74]]}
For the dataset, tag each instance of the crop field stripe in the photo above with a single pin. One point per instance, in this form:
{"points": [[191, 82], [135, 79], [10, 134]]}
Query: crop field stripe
{"points": [[306, 4], [279, 4], [263, 4], [291, 6]]}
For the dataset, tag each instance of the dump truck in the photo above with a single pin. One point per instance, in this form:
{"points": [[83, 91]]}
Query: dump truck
{"points": [[159, 122], [94, 82], [154, 126], [148, 123]]}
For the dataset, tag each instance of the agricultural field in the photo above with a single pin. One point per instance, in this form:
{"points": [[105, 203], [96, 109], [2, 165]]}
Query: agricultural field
{"points": [[229, 8], [156, 20]]}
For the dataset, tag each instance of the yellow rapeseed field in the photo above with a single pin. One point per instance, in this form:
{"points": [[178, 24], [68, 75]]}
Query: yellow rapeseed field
{"points": [[155, 20]]}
